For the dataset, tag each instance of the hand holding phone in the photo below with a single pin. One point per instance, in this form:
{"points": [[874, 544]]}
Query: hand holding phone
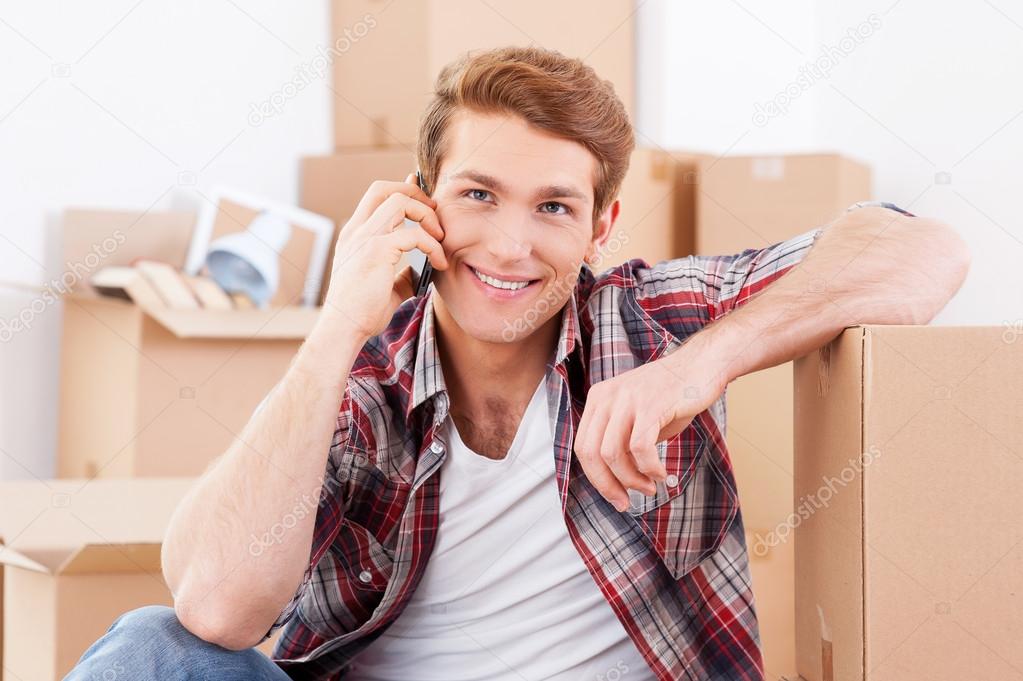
{"points": [[391, 220]]}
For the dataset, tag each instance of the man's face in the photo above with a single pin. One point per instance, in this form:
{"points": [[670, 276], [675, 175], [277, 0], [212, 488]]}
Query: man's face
{"points": [[516, 205]]}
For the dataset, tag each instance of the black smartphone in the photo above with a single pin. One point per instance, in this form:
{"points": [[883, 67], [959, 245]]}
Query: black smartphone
{"points": [[422, 270]]}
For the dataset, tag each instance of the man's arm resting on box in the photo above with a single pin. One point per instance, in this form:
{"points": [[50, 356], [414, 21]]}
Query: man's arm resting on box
{"points": [[873, 265]]}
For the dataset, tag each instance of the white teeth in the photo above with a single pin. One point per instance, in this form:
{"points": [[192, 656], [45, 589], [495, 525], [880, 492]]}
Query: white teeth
{"points": [[498, 283]]}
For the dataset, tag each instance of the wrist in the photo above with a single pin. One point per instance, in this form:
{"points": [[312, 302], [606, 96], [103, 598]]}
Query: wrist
{"points": [[719, 349]]}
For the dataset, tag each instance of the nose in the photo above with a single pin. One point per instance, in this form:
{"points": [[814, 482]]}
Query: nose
{"points": [[506, 243]]}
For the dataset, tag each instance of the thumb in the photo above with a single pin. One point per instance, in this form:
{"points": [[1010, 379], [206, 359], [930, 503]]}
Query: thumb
{"points": [[403, 283]]}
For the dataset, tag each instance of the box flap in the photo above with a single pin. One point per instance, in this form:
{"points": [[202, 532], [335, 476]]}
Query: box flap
{"points": [[93, 239], [105, 558], [283, 323], [83, 525], [40, 560], [275, 323]]}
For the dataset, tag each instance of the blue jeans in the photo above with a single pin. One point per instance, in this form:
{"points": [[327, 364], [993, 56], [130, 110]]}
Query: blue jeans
{"points": [[149, 644]]}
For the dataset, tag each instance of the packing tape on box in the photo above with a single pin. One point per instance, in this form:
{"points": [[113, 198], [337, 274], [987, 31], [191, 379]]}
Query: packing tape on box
{"points": [[827, 660], [824, 370]]}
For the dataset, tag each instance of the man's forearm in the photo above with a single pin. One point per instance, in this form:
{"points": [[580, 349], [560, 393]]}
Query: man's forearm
{"points": [[228, 582], [870, 266]]}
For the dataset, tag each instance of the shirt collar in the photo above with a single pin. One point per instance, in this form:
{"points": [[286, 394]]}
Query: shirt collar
{"points": [[427, 375]]}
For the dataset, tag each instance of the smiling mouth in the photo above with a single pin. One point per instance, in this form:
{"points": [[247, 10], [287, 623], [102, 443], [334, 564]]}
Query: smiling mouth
{"points": [[502, 284]]}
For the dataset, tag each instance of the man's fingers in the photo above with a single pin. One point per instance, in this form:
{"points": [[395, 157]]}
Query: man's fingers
{"points": [[397, 207], [587, 448], [614, 450], [381, 191], [408, 238], [643, 445], [604, 481]]}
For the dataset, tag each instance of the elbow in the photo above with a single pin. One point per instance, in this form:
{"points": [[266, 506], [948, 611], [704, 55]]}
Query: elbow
{"points": [[220, 623], [947, 258]]}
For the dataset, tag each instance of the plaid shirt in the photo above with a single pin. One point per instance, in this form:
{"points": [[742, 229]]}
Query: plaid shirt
{"points": [[674, 567]]}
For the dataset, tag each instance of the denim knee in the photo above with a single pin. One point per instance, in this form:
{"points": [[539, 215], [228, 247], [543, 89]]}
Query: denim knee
{"points": [[150, 620], [150, 643]]}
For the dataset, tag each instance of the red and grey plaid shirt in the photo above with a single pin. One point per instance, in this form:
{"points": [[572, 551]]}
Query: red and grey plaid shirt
{"points": [[673, 568]]}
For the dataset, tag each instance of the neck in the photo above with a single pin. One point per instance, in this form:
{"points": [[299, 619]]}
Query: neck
{"points": [[476, 371]]}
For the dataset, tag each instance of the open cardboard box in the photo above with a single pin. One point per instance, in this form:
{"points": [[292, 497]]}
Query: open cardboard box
{"points": [[155, 391], [74, 555], [909, 505]]}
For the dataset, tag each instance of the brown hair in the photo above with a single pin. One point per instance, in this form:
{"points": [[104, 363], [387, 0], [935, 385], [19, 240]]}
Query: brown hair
{"points": [[557, 94]]}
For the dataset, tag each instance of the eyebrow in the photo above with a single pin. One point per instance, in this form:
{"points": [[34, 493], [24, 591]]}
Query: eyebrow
{"points": [[552, 191]]}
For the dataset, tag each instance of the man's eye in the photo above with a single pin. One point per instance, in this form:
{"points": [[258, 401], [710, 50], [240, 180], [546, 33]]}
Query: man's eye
{"points": [[476, 194], [553, 206]]}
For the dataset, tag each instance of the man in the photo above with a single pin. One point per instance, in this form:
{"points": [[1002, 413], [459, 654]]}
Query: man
{"points": [[521, 474]]}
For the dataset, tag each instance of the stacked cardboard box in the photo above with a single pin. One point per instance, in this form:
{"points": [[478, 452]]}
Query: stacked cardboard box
{"points": [[386, 54], [752, 202], [155, 391], [909, 516], [149, 392]]}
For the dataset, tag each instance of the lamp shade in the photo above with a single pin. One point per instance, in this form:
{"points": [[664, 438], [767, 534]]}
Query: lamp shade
{"points": [[249, 262]]}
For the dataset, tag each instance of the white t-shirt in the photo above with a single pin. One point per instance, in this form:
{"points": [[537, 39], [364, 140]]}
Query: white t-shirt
{"points": [[505, 595]]}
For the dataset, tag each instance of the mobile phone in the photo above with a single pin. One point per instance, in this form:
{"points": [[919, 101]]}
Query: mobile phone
{"points": [[422, 270]]}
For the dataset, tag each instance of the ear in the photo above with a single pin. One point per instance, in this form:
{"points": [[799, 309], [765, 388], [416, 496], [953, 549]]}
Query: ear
{"points": [[602, 228]]}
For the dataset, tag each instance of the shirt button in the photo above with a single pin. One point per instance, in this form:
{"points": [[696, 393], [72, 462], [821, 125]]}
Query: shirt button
{"points": [[671, 480], [436, 447], [366, 576]]}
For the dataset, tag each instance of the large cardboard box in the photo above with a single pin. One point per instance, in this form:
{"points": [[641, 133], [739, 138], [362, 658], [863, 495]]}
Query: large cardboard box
{"points": [[909, 513], [658, 207], [155, 391], [658, 196], [74, 555], [751, 202], [386, 54]]}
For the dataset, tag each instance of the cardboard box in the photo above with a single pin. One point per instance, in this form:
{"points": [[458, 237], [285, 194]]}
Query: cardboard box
{"points": [[658, 207], [909, 525], [74, 555], [387, 53], [755, 201], [333, 185], [752, 202], [153, 391]]}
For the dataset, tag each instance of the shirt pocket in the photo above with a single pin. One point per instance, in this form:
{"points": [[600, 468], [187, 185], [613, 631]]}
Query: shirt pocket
{"points": [[365, 563], [689, 515], [350, 581]]}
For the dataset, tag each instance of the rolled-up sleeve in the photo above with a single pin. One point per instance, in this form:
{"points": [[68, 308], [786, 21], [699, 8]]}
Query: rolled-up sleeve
{"points": [[685, 294]]}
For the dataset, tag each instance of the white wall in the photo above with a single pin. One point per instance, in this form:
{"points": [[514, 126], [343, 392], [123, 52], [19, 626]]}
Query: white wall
{"points": [[132, 105], [703, 66], [928, 95], [933, 101]]}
